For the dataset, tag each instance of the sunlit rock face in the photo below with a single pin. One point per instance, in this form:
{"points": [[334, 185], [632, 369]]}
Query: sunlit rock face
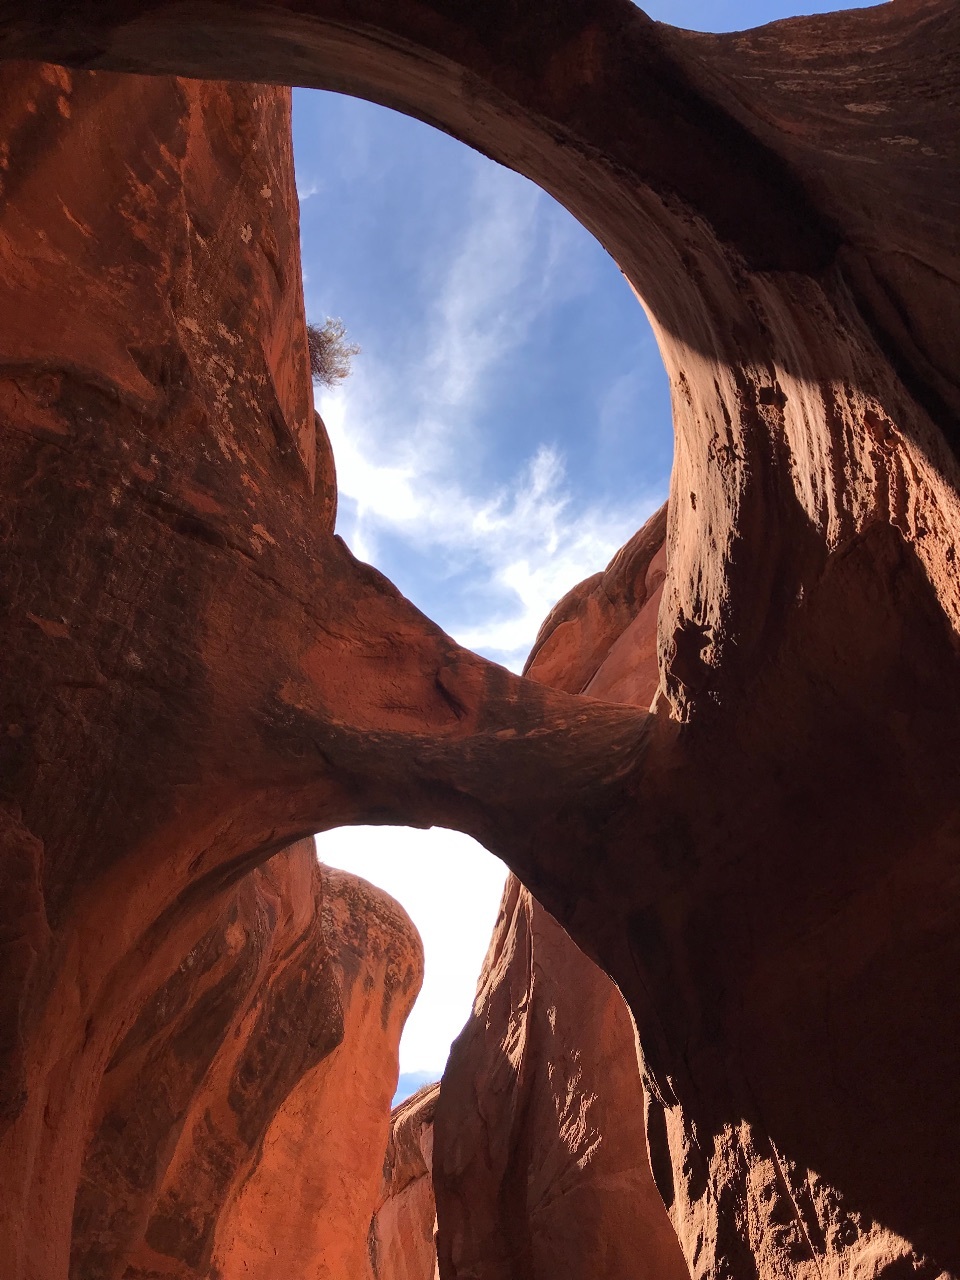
{"points": [[540, 1152], [402, 1235], [241, 1122], [197, 673], [305, 1208]]}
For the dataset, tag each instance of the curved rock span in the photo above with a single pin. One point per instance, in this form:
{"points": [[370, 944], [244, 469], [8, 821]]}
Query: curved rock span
{"points": [[196, 671], [540, 1161], [402, 1234]]}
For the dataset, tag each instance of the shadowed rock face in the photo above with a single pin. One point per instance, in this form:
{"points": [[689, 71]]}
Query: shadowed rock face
{"points": [[540, 1160], [197, 672], [540, 1157], [224, 1118], [403, 1229]]}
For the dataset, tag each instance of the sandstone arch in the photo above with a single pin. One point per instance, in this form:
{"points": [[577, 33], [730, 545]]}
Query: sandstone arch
{"points": [[767, 864]]}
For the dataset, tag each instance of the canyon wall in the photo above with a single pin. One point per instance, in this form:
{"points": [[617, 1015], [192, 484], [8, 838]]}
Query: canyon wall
{"points": [[540, 1153], [305, 1208], [196, 672], [241, 1122], [403, 1229], [195, 669]]}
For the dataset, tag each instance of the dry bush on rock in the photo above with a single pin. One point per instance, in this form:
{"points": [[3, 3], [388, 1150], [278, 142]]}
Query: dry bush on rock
{"points": [[331, 356]]}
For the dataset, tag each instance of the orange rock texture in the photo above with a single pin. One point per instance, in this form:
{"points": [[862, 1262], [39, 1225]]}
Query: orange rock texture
{"points": [[197, 673], [540, 1154], [196, 669], [305, 1209], [402, 1233], [241, 1122]]}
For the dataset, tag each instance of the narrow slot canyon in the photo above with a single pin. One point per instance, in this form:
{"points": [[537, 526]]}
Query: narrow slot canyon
{"points": [[711, 736]]}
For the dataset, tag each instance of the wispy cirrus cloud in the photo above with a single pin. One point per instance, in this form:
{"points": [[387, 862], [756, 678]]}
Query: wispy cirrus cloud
{"points": [[410, 447], [309, 188]]}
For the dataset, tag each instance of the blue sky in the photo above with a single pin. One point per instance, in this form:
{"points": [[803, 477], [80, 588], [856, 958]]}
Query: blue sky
{"points": [[506, 428], [487, 444]]}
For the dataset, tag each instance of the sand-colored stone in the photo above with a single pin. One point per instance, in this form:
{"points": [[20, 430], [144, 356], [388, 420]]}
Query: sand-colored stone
{"points": [[196, 673]]}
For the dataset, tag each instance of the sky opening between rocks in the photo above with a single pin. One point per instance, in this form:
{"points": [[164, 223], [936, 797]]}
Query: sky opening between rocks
{"points": [[506, 428]]}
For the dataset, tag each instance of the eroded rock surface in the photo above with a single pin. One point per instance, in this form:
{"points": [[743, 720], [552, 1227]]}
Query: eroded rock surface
{"points": [[305, 1210], [195, 668], [402, 1233], [541, 1166], [241, 1121], [196, 672]]}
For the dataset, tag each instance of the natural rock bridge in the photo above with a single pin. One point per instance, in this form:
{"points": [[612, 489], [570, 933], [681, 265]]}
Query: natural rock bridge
{"points": [[197, 672]]}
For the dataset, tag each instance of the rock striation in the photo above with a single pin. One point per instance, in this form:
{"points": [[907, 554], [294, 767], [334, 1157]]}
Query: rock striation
{"points": [[196, 672], [540, 1152], [241, 1121], [403, 1229], [541, 1166]]}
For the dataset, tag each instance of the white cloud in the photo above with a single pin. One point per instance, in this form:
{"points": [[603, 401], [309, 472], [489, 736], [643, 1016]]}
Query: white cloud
{"points": [[488, 295], [310, 188], [451, 888], [407, 442], [525, 546]]}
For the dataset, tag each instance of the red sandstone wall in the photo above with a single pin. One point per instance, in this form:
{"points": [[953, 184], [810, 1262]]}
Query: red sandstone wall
{"points": [[306, 1207], [403, 1229], [541, 1166], [196, 673], [241, 1122]]}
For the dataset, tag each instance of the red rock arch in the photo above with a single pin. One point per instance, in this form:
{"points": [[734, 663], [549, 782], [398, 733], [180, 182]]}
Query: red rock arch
{"points": [[767, 863], [759, 191]]}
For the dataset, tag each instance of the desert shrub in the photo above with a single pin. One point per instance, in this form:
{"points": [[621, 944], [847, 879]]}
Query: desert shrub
{"points": [[330, 354]]}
